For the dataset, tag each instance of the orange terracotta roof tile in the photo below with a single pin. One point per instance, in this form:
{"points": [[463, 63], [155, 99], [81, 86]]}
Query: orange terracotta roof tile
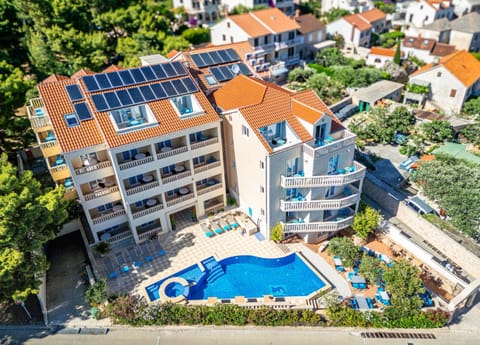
{"points": [[373, 15], [443, 49], [58, 104], [229, 97], [100, 129], [308, 23], [82, 72], [276, 20], [384, 51], [171, 54], [249, 24], [54, 78], [461, 64], [418, 43], [358, 21]]}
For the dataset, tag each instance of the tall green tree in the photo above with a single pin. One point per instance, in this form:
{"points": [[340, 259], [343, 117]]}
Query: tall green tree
{"points": [[346, 249], [437, 131], [365, 222], [397, 56], [29, 218]]}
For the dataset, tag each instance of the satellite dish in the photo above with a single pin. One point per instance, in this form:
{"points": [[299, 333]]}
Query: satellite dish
{"points": [[236, 69]]}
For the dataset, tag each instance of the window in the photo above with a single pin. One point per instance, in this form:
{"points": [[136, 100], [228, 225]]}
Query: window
{"points": [[262, 189], [291, 51], [211, 80], [224, 37], [71, 120], [453, 92], [262, 165], [255, 42], [245, 131], [291, 35], [378, 60], [228, 26], [265, 40], [262, 211], [439, 74]]}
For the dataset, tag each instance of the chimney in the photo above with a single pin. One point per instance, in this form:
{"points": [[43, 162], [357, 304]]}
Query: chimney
{"points": [[297, 14]]}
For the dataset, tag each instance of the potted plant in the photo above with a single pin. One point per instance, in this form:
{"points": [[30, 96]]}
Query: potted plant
{"points": [[102, 248], [194, 216], [173, 223]]}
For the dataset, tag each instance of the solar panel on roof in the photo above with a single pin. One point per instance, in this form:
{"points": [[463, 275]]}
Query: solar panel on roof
{"points": [[158, 91], [148, 73], [217, 74], [227, 71], [147, 93], [177, 83], [208, 60], [216, 57], [74, 92], [124, 97], [102, 81], [225, 57], [197, 59], [135, 95], [114, 78], [169, 70], [159, 72], [169, 89], [244, 69], [137, 75], [126, 77], [177, 65], [99, 102], [233, 54], [90, 83], [112, 99], [190, 85], [82, 111]]}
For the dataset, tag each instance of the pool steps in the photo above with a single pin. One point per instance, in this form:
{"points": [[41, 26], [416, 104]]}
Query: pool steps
{"points": [[213, 268]]}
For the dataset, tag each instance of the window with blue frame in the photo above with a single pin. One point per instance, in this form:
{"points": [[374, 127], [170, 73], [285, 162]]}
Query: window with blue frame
{"points": [[198, 160], [135, 179], [333, 165], [147, 224], [105, 207], [128, 155], [166, 143]]}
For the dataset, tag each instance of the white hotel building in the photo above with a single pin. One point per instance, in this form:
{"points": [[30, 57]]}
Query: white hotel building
{"points": [[288, 159], [138, 146]]}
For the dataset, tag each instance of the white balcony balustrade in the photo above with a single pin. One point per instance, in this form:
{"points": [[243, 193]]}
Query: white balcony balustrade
{"points": [[326, 226], [319, 205]]}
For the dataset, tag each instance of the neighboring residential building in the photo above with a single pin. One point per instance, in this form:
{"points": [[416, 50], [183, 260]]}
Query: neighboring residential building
{"points": [[378, 56], [367, 97], [439, 30], [313, 32], [424, 12], [465, 32], [139, 146], [419, 47], [453, 79], [288, 159], [355, 30], [377, 19], [286, 6], [463, 7], [271, 33], [200, 11], [215, 65], [440, 50], [349, 5]]}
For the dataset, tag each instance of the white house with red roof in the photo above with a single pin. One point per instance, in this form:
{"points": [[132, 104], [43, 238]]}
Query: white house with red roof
{"points": [[453, 79], [349, 5], [289, 161], [424, 12], [378, 56], [139, 147], [355, 29]]}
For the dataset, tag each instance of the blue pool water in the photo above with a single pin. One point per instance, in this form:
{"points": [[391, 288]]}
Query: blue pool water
{"points": [[248, 276], [174, 289]]}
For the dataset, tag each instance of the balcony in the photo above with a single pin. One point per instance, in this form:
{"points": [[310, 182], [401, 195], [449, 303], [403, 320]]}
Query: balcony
{"points": [[93, 167], [338, 140], [290, 43], [70, 193], [50, 148], [180, 199], [147, 210], [358, 173], [201, 168], [319, 205], [207, 188], [169, 152], [107, 216], [142, 187], [100, 192], [39, 119], [176, 177], [326, 226], [143, 236], [204, 143], [59, 172], [140, 159], [117, 236]]}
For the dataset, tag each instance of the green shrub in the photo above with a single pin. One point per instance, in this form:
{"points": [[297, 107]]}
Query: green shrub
{"points": [[96, 293], [420, 89]]}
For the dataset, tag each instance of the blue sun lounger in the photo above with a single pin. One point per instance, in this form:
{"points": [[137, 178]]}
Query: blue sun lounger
{"points": [[134, 257], [216, 228], [206, 230], [124, 268], [157, 247], [112, 274], [145, 252]]}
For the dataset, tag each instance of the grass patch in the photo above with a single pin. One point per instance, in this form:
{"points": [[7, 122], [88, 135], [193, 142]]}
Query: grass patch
{"points": [[439, 223]]}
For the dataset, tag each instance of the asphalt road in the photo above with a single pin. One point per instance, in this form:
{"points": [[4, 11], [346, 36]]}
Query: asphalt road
{"points": [[233, 336]]}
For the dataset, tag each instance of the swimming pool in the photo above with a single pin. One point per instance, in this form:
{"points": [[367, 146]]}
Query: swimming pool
{"points": [[248, 276]]}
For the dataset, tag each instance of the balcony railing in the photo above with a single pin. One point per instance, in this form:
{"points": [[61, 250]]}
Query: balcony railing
{"points": [[180, 199], [90, 168], [135, 163], [39, 121], [285, 44], [347, 139], [143, 187], [101, 192], [204, 143], [172, 152], [214, 208], [318, 226], [325, 180], [206, 167], [176, 177], [209, 189], [48, 144], [318, 205], [146, 211], [108, 216], [147, 235], [58, 168], [120, 236]]}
